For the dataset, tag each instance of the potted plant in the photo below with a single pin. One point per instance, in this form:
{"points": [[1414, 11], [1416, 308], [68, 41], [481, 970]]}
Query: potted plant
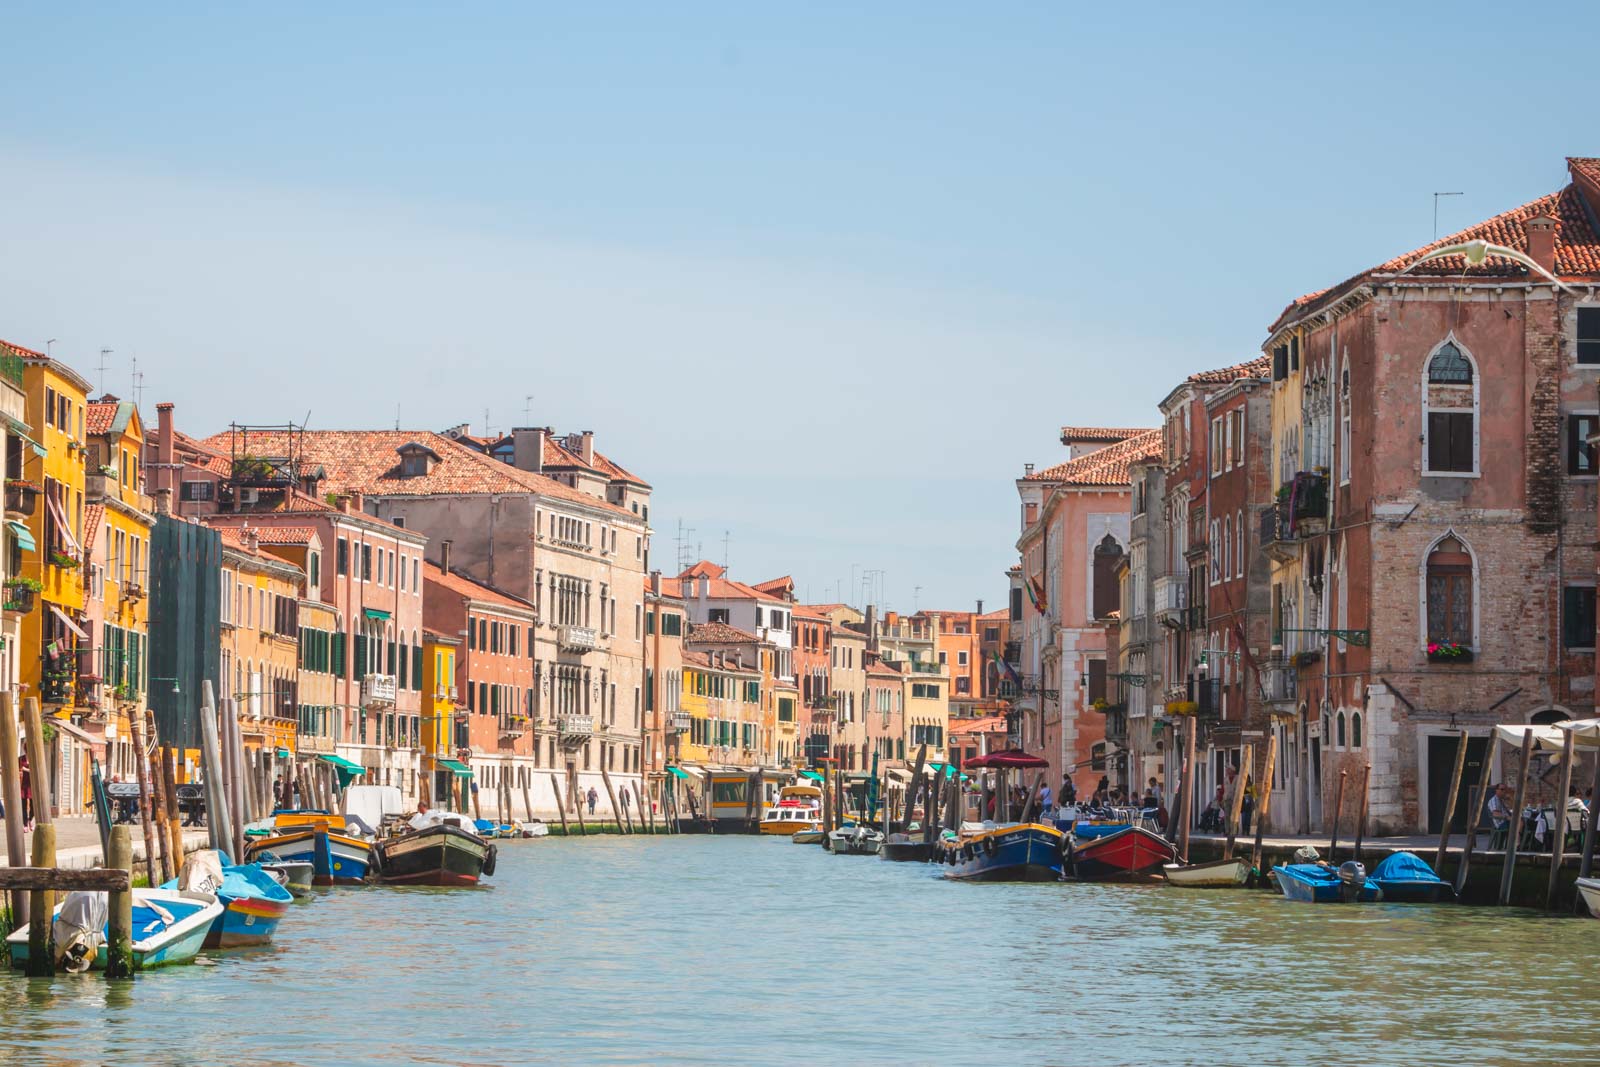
{"points": [[19, 593], [1182, 707], [21, 495], [1448, 652], [1306, 659], [62, 560], [1100, 705]]}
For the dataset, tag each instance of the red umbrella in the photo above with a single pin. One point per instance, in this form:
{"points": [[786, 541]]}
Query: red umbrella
{"points": [[1007, 759]]}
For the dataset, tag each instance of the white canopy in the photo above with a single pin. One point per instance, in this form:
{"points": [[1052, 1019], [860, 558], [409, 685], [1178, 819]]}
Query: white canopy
{"points": [[1553, 738], [1585, 732]]}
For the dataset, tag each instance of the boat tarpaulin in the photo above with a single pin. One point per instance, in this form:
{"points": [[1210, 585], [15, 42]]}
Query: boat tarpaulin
{"points": [[678, 772], [456, 767], [1404, 867], [23, 535], [813, 775], [1008, 759]]}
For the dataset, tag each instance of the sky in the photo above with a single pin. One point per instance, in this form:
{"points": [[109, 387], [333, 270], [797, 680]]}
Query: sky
{"points": [[826, 276]]}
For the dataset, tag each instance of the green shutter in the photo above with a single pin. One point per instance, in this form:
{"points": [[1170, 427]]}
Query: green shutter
{"points": [[416, 669], [361, 655]]}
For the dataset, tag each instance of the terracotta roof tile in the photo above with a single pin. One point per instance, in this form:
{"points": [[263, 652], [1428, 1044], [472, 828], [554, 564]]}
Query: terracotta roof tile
{"points": [[704, 569], [100, 416], [1258, 367], [284, 535], [609, 467], [883, 670], [1071, 434], [92, 514], [1104, 466], [368, 461], [12, 349], [719, 633], [464, 586], [776, 586]]}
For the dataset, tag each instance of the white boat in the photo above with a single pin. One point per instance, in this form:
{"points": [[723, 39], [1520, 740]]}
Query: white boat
{"points": [[1217, 874], [807, 837], [1589, 890], [169, 926], [799, 807], [854, 841]]}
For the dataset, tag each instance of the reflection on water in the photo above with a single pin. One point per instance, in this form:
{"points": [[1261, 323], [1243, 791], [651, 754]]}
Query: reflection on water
{"points": [[696, 950]]}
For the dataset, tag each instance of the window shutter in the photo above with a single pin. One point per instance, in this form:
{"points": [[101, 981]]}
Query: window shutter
{"points": [[361, 655], [391, 658], [416, 669], [1460, 441]]}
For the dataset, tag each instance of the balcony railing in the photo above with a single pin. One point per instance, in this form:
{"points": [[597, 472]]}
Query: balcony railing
{"points": [[575, 727], [1171, 592], [579, 639], [679, 722], [378, 691]]}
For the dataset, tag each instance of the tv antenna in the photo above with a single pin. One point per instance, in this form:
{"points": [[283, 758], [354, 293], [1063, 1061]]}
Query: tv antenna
{"points": [[105, 358]]}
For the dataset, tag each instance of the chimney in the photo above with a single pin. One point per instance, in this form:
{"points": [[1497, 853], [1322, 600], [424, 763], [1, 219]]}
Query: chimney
{"points": [[252, 540], [164, 474], [444, 555], [872, 627], [655, 582], [705, 587], [1027, 470], [586, 447], [163, 501], [527, 448], [342, 502], [357, 502], [1541, 233], [979, 611]]}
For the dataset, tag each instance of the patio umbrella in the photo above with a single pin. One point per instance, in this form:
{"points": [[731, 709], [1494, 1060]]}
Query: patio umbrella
{"points": [[1006, 759]]}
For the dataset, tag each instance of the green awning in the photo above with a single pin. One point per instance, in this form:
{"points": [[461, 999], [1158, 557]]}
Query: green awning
{"points": [[20, 429], [23, 535], [284, 753], [344, 764], [813, 775], [456, 767], [678, 772], [939, 768], [375, 613]]}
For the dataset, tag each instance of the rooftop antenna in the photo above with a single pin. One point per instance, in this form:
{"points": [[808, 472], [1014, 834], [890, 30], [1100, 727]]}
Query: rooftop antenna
{"points": [[527, 410], [138, 383], [105, 354], [397, 414], [47, 345], [487, 431], [726, 537], [916, 599], [1436, 197]]}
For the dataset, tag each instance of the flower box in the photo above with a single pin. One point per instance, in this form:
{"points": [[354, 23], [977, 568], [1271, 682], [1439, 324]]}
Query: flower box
{"points": [[64, 561], [1448, 652], [1306, 659]]}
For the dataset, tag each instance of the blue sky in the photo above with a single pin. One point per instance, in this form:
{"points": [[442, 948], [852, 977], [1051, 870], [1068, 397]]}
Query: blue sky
{"points": [[827, 277]]}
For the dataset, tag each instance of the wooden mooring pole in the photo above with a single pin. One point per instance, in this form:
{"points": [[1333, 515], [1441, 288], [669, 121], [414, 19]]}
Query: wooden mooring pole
{"points": [[1338, 810], [616, 811], [1236, 803], [1264, 791], [42, 905], [561, 807], [1558, 845], [911, 786], [11, 781], [1450, 802], [1475, 802], [1509, 866], [174, 826], [1188, 786], [141, 766], [119, 925], [38, 761], [1361, 809]]}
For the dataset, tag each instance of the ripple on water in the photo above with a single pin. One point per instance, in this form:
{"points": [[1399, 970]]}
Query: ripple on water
{"points": [[698, 950]]}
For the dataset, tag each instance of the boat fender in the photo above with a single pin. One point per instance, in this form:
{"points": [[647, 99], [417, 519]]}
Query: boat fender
{"points": [[989, 846], [374, 860], [489, 858]]}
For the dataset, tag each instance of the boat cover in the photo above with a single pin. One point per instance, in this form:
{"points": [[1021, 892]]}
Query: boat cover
{"points": [[1404, 867], [80, 929], [201, 873]]}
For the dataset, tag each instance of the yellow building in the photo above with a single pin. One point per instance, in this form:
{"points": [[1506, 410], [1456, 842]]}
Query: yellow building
{"points": [[260, 624], [113, 680], [785, 731], [694, 744], [449, 778], [53, 636]]}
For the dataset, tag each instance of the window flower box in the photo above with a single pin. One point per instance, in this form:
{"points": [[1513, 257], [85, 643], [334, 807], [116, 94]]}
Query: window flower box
{"points": [[1448, 652], [64, 561], [1306, 659], [1183, 707]]}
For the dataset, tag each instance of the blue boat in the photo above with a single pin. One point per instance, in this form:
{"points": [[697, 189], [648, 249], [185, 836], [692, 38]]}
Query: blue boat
{"points": [[1315, 883], [253, 903], [168, 927], [1018, 852], [1406, 879], [337, 856]]}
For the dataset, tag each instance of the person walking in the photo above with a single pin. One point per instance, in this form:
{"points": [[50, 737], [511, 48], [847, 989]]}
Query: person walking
{"points": [[594, 798], [27, 795], [1247, 806]]}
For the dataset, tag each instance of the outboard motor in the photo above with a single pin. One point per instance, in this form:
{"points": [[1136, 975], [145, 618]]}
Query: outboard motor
{"points": [[1352, 878]]}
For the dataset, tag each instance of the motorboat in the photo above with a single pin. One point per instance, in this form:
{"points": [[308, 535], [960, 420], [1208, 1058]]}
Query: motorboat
{"points": [[809, 836], [253, 901], [294, 875], [1000, 852], [1131, 854], [437, 848], [906, 848], [1217, 874], [1589, 890], [336, 846], [1404, 878], [798, 807], [853, 839], [1319, 883], [169, 927]]}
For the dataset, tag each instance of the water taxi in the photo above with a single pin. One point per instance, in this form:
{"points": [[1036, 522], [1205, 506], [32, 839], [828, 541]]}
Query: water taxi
{"points": [[799, 807]]}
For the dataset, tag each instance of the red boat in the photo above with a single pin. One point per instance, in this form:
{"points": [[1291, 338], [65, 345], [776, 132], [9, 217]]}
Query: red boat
{"points": [[1130, 855]]}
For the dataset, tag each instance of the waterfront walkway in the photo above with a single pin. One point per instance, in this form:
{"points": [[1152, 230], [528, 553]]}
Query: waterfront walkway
{"points": [[78, 842]]}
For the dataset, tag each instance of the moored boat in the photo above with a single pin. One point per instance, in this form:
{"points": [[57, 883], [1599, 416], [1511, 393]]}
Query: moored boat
{"points": [[799, 807], [1009, 852], [169, 927], [906, 848], [1404, 878], [295, 875], [810, 836], [853, 840], [1217, 874], [1318, 883], [337, 854], [253, 901], [436, 848], [1132, 854], [1589, 890]]}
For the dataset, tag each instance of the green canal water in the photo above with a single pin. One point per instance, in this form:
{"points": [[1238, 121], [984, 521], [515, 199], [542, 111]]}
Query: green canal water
{"points": [[757, 951]]}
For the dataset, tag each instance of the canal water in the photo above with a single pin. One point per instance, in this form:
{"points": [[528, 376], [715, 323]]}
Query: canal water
{"points": [[755, 951]]}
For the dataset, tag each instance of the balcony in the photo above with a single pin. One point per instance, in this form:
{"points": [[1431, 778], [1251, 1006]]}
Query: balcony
{"points": [[575, 729], [21, 498], [679, 722], [1171, 593], [378, 691], [578, 639], [1280, 683]]}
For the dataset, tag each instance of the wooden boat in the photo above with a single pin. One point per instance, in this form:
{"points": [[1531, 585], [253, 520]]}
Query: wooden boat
{"points": [[906, 848], [1589, 890], [169, 927], [807, 837], [435, 848], [799, 807], [853, 840], [1132, 854], [253, 901], [1009, 852], [1317, 883], [1404, 878], [1217, 874], [295, 875], [320, 838]]}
